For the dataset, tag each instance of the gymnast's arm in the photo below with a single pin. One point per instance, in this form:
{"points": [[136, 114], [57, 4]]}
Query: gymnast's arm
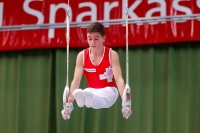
{"points": [[117, 72], [78, 72]]}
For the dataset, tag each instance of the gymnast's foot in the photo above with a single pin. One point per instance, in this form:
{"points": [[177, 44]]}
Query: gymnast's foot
{"points": [[78, 95]]}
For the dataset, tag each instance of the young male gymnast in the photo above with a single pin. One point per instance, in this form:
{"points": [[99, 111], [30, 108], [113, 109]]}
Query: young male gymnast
{"points": [[101, 68]]}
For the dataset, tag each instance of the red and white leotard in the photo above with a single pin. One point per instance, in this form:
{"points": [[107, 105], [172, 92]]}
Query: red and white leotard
{"points": [[101, 75]]}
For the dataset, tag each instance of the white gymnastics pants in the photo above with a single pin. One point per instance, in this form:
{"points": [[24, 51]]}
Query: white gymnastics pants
{"points": [[96, 98]]}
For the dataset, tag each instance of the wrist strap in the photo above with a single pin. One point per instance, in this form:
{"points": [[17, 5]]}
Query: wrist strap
{"points": [[128, 103], [71, 106]]}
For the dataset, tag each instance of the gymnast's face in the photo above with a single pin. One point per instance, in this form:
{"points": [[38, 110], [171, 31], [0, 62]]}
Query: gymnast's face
{"points": [[95, 39]]}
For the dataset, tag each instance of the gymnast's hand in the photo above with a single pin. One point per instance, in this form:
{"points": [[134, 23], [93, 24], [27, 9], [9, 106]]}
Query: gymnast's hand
{"points": [[126, 112], [67, 111]]}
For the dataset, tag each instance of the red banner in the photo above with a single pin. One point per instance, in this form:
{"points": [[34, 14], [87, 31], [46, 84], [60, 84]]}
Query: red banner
{"points": [[25, 12]]}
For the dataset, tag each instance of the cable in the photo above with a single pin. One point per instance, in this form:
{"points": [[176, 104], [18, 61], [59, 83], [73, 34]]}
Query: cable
{"points": [[68, 39], [127, 63], [84, 24]]}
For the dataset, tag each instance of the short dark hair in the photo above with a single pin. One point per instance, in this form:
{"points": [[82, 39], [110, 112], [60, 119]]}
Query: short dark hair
{"points": [[96, 27]]}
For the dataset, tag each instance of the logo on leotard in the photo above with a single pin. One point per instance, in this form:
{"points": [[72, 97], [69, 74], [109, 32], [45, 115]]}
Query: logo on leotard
{"points": [[90, 69], [108, 74]]}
